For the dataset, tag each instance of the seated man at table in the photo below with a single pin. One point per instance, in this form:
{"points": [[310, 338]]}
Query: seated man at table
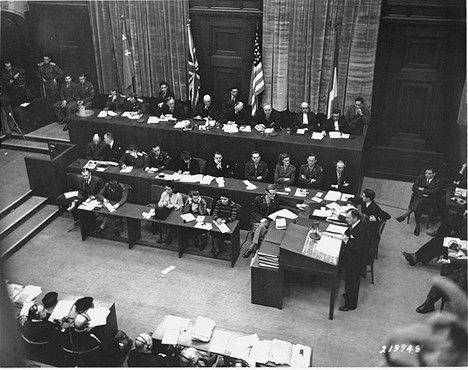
{"points": [[132, 103], [114, 194], [256, 169], [263, 206], [336, 123], [305, 119], [66, 106], [285, 172], [229, 99], [311, 174], [173, 109], [96, 149], [219, 167], [144, 355], [191, 357], [338, 178], [132, 157], [89, 186], [453, 227], [157, 159], [238, 115], [188, 165], [267, 118], [206, 109], [357, 116], [196, 205], [114, 150], [426, 193], [170, 200], [115, 101], [225, 211]]}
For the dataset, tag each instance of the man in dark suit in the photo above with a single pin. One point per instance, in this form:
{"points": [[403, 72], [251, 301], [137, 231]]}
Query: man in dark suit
{"points": [[238, 115], [173, 109], [305, 119], [426, 193], [229, 99], [144, 355], [219, 168], [356, 252], [268, 118], [164, 94], [114, 150], [338, 178], [206, 109], [96, 149], [337, 122], [357, 116], [187, 165], [256, 169]]}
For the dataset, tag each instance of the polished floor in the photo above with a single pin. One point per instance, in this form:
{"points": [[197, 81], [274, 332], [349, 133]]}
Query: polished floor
{"points": [[57, 259]]}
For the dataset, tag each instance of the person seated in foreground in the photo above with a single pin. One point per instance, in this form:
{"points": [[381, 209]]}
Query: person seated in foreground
{"points": [[268, 118], [144, 354], [85, 91], [114, 194], [219, 167], [96, 149], [115, 100], [188, 165], [426, 193], [263, 206], [132, 157], [305, 119], [206, 109], [225, 211], [196, 205], [191, 357], [173, 109], [338, 178], [336, 123], [311, 174], [157, 159], [256, 169], [285, 172], [170, 200]]}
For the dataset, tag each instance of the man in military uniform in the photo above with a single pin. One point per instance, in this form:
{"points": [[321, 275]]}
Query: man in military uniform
{"points": [[14, 84], [96, 149], [85, 92], [132, 104], [311, 174], [157, 158], [132, 157], [67, 102], [115, 101], [48, 72], [256, 169]]}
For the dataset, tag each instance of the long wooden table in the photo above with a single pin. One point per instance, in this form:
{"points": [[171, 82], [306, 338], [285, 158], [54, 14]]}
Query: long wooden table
{"points": [[133, 216], [236, 147]]}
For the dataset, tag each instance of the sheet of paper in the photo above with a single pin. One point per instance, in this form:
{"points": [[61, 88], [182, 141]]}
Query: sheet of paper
{"points": [[287, 189], [188, 217], [319, 194], [91, 165], [344, 136], [167, 270], [219, 340], [98, 316], [345, 196], [317, 199], [206, 180], [300, 193], [127, 169], [202, 329], [61, 310], [450, 239], [24, 104], [230, 129], [280, 352], [301, 131], [317, 136], [336, 229], [14, 290], [109, 207], [280, 223], [192, 179], [203, 226], [101, 169], [334, 134], [153, 119], [171, 336], [25, 309], [284, 213], [223, 227], [300, 357], [240, 346], [102, 114], [333, 195], [176, 322], [245, 129], [329, 245], [322, 212], [220, 182], [249, 185], [260, 351], [200, 218], [282, 192], [71, 194], [180, 125], [335, 206]]}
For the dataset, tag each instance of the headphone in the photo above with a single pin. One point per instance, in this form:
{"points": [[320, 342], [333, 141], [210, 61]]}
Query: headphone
{"points": [[146, 346], [240, 363]]}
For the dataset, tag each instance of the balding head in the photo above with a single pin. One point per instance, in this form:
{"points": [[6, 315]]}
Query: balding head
{"points": [[207, 100], [143, 343], [238, 106], [267, 108], [304, 106], [189, 357], [96, 138], [81, 321]]}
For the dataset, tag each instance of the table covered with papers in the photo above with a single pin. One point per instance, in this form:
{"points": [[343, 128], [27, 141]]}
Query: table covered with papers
{"points": [[249, 347]]}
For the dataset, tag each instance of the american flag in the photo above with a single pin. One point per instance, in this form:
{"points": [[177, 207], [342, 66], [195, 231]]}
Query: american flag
{"points": [[194, 79], [257, 84], [128, 70]]}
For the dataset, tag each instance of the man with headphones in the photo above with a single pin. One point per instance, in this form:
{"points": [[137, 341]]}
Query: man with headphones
{"points": [[144, 355]]}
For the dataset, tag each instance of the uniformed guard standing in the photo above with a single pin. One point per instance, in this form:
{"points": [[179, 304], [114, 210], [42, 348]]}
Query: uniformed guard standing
{"points": [[48, 72]]}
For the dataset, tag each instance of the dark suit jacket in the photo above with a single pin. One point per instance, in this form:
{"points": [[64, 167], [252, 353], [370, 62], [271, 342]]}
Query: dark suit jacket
{"points": [[178, 112], [274, 120], [96, 152], [129, 160], [192, 167], [228, 104], [261, 209], [212, 111], [355, 121], [226, 169], [116, 103], [242, 118], [357, 248], [431, 191], [115, 153], [372, 209], [162, 99], [312, 118], [93, 188], [332, 179], [128, 106], [330, 125]]}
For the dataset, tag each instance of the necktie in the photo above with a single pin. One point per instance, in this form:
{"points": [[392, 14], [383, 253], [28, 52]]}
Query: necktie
{"points": [[268, 117], [338, 176], [172, 110], [337, 127]]}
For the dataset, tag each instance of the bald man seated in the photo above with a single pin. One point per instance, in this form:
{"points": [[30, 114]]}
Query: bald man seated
{"points": [[267, 117], [206, 109], [145, 355], [238, 115]]}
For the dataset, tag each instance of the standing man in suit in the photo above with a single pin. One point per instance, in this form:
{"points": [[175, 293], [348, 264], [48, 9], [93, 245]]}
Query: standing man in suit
{"points": [[357, 116], [338, 178], [229, 99], [173, 109], [356, 251], [268, 118], [114, 150], [426, 191], [206, 109], [337, 122], [164, 94], [305, 119]]}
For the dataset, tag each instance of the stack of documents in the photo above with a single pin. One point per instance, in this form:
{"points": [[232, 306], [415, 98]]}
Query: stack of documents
{"points": [[206, 180], [322, 212], [317, 136], [268, 256], [280, 223], [285, 213], [105, 113], [203, 329], [26, 294], [301, 192], [338, 135], [249, 185], [153, 119], [220, 182], [230, 129]]}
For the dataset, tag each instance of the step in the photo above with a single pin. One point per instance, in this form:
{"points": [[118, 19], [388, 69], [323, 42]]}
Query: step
{"points": [[40, 138], [408, 141], [26, 145], [15, 203], [17, 215], [29, 228], [391, 174]]}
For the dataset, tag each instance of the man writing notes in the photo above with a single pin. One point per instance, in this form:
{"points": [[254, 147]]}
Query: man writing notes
{"points": [[157, 159], [256, 169], [263, 206], [311, 174], [305, 119], [426, 190], [356, 252], [268, 118], [357, 116], [206, 109], [336, 123], [173, 109], [238, 115]]}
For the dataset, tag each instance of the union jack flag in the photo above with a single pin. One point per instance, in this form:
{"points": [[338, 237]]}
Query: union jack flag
{"points": [[194, 77], [257, 84]]}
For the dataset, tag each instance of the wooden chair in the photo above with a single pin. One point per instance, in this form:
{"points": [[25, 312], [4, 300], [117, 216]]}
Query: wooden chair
{"points": [[238, 209], [370, 263], [431, 210], [129, 199], [381, 229], [209, 203], [201, 164]]}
